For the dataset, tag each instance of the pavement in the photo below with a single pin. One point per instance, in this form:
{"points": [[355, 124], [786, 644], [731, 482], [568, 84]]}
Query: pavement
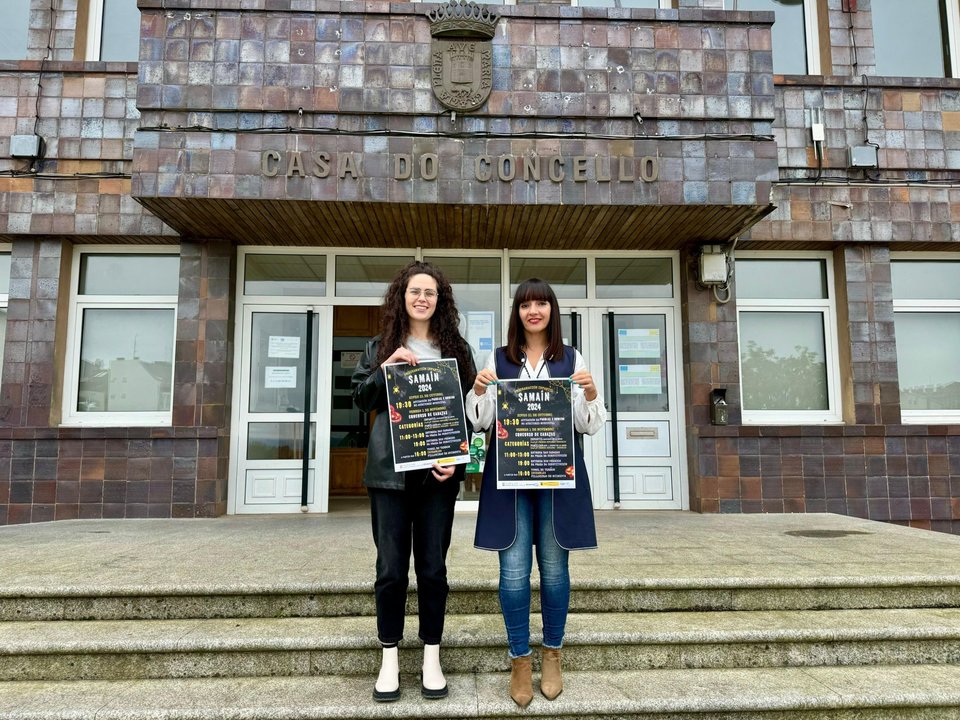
{"points": [[334, 551]]}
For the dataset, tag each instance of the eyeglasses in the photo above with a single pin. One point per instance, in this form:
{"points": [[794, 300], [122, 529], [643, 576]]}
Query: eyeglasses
{"points": [[417, 292]]}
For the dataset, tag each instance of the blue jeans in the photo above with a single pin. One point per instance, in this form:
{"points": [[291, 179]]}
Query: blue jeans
{"points": [[534, 522]]}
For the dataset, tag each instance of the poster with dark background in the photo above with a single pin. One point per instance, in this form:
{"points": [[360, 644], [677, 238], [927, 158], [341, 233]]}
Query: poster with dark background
{"points": [[534, 434], [427, 420]]}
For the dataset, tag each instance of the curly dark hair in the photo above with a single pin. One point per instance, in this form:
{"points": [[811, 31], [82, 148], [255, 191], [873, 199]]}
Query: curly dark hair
{"points": [[395, 323]]}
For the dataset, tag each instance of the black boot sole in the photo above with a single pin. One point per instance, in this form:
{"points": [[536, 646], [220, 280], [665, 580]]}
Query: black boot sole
{"points": [[388, 696], [430, 694]]}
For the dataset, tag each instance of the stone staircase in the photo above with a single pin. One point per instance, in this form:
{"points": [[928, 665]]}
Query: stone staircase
{"points": [[662, 649]]}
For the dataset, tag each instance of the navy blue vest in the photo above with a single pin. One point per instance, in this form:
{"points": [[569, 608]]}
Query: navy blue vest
{"points": [[573, 524]]}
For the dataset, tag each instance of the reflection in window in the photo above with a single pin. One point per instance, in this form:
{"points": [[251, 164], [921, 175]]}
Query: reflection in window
{"points": [[367, 275], [783, 361], [926, 303], [781, 279], [268, 274], [135, 274], [909, 38], [925, 279], [126, 360], [278, 343], [476, 287], [278, 441], [14, 29], [634, 277], [788, 32], [122, 333], [620, 3], [567, 276], [120, 39], [929, 371], [785, 320]]}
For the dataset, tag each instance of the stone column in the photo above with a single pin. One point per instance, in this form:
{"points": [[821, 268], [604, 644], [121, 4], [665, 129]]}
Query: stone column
{"points": [[30, 391]]}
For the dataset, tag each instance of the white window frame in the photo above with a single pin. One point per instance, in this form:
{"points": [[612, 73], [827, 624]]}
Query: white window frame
{"points": [[78, 303], [5, 249], [828, 310], [663, 4], [811, 33], [926, 417]]}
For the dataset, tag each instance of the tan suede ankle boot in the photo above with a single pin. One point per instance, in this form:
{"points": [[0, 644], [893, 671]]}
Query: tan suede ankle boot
{"points": [[521, 681], [551, 680]]}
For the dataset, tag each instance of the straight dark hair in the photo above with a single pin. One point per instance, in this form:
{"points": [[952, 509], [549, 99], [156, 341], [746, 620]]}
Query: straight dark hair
{"points": [[528, 291]]}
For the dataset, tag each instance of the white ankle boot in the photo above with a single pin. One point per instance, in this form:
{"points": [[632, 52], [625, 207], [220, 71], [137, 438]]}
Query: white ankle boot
{"points": [[434, 685], [387, 688]]}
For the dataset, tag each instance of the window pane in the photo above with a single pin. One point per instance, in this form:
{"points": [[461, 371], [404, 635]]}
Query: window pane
{"points": [[781, 279], [567, 276], [925, 280], [278, 441], [641, 360], [788, 34], [4, 274], [783, 361], [278, 344], [634, 278], [476, 287], [366, 276], [129, 274], [14, 29], [120, 40], [908, 37], [126, 360], [285, 275], [620, 3], [928, 360]]}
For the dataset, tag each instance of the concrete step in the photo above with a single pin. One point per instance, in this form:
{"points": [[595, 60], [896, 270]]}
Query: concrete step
{"points": [[337, 599], [130, 649], [915, 692]]}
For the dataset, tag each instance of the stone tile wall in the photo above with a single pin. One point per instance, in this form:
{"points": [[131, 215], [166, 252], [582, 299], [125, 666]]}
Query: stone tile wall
{"points": [[87, 118], [69, 473], [908, 474]]}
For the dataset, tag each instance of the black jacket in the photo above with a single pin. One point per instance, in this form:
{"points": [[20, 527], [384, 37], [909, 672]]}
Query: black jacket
{"points": [[370, 394]]}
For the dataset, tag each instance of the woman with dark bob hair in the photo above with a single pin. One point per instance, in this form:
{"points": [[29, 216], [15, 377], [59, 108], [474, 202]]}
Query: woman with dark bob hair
{"points": [[556, 521], [418, 321]]}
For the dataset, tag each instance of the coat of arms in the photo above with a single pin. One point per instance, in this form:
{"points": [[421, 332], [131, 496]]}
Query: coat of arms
{"points": [[461, 55]]}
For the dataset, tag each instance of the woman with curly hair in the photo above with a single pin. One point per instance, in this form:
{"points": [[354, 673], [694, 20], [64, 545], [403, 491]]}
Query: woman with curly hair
{"points": [[418, 321]]}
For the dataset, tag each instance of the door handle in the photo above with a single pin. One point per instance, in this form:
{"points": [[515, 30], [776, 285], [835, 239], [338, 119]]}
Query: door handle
{"points": [[643, 433]]}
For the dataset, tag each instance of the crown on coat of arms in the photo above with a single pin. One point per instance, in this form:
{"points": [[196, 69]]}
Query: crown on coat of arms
{"points": [[463, 18]]}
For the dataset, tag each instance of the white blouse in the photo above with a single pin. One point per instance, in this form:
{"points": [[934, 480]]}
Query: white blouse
{"points": [[588, 415]]}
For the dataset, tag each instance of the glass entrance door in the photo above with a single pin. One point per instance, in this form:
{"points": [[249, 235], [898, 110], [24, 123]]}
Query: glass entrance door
{"points": [[641, 457], [279, 391]]}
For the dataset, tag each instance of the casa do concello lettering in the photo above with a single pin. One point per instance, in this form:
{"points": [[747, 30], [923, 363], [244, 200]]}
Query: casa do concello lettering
{"points": [[486, 168]]}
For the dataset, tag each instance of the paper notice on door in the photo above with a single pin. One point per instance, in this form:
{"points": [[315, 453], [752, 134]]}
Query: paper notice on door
{"points": [[640, 380], [284, 346], [349, 359], [639, 343], [280, 377]]}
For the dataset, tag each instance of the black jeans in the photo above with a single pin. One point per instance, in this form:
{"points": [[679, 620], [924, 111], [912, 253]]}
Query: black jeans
{"points": [[421, 513]]}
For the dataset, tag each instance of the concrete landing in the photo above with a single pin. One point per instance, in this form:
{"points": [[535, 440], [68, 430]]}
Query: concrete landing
{"points": [[296, 553]]}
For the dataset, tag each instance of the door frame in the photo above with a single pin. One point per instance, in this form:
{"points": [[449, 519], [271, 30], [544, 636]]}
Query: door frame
{"points": [[241, 396], [676, 416]]}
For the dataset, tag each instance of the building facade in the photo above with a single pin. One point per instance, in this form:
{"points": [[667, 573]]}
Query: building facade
{"points": [[747, 207]]}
